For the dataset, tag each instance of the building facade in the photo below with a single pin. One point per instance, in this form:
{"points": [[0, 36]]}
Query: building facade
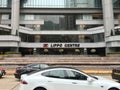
{"points": [[66, 27]]}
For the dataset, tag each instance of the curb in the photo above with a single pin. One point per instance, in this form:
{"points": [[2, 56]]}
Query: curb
{"points": [[98, 71]]}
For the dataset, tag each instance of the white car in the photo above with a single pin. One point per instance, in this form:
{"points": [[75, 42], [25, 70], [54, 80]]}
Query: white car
{"points": [[65, 78]]}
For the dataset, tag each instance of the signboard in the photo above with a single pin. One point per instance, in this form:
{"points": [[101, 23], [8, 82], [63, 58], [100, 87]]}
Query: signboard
{"points": [[61, 45]]}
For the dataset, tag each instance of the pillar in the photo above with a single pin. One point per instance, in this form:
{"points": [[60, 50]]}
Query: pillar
{"points": [[119, 19], [108, 20], [108, 16], [15, 16], [0, 18]]}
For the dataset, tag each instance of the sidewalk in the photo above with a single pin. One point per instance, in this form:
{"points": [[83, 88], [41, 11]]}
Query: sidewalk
{"points": [[8, 82]]}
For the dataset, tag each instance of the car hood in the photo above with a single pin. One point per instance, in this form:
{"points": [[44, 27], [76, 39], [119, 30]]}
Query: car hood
{"points": [[107, 82], [105, 79]]}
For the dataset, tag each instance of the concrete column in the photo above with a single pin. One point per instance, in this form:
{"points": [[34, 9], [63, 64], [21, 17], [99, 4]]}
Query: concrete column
{"points": [[108, 16], [0, 18], [108, 20], [119, 19], [15, 16]]}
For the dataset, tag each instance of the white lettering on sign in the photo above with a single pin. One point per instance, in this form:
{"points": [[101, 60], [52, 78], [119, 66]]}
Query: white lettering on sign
{"points": [[56, 45], [72, 45], [64, 45]]}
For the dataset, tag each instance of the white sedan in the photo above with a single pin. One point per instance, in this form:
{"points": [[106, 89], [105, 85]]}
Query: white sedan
{"points": [[65, 78]]}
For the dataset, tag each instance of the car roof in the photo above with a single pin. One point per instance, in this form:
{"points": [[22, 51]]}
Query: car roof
{"points": [[53, 67], [36, 64]]}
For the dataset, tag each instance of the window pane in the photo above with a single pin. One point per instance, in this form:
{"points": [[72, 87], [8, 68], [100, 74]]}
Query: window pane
{"points": [[75, 75], [54, 74], [60, 3], [116, 3]]}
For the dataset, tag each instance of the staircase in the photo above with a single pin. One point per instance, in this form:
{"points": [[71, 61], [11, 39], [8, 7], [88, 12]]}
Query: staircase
{"points": [[77, 61]]}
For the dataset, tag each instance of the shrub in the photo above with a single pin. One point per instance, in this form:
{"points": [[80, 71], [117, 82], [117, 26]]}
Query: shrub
{"points": [[114, 53], [12, 53]]}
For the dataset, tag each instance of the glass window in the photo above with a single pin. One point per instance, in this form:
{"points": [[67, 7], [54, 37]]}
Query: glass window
{"points": [[75, 75], [36, 66], [5, 3], [97, 3], [59, 38], [43, 66], [56, 3], [87, 17], [29, 17], [98, 37], [60, 22], [117, 31], [5, 17], [4, 32], [116, 3], [60, 3], [52, 22], [64, 38], [55, 74]]}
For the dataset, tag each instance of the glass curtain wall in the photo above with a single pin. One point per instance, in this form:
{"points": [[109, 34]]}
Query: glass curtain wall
{"points": [[5, 3], [116, 3], [61, 3], [52, 22], [57, 3], [64, 38], [60, 22]]}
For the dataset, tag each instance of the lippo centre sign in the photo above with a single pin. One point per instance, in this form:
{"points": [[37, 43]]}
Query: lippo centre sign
{"points": [[61, 45]]}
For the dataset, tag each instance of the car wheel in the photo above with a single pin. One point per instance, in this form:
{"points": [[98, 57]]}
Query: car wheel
{"points": [[40, 88], [113, 89]]}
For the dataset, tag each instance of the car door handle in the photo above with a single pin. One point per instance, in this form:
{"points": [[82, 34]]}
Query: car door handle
{"points": [[74, 83]]}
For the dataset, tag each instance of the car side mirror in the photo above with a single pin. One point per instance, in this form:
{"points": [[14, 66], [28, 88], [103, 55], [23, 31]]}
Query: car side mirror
{"points": [[89, 79]]}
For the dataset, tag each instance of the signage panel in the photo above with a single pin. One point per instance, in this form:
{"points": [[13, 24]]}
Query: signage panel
{"points": [[61, 45]]}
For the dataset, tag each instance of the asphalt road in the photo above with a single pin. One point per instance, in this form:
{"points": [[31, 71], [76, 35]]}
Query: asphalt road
{"points": [[8, 82]]}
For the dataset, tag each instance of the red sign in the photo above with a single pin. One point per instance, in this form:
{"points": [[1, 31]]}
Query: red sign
{"points": [[45, 45]]}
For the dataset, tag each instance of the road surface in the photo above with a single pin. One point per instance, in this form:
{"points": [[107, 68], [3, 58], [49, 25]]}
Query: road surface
{"points": [[8, 82]]}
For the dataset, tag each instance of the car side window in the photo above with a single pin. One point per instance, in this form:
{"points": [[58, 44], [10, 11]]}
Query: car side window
{"points": [[35, 66], [43, 66], [75, 75], [55, 74]]}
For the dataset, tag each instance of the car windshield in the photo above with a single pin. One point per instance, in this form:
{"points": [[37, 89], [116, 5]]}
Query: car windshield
{"points": [[91, 75], [94, 77]]}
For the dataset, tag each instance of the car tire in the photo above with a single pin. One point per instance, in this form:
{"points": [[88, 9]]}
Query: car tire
{"points": [[113, 89], [40, 88]]}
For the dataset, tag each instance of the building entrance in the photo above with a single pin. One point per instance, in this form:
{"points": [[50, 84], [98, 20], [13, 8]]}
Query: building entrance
{"points": [[63, 51]]}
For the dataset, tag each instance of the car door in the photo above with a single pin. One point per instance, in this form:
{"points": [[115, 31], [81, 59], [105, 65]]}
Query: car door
{"points": [[78, 81], [69, 80], [56, 80]]}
